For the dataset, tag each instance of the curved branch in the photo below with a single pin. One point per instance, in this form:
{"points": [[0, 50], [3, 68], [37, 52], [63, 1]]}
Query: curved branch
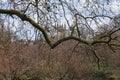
{"points": [[24, 17], [70, 38]]}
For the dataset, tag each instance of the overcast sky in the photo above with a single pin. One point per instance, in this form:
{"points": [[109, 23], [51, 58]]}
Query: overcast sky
{"points": [[114, 6]]}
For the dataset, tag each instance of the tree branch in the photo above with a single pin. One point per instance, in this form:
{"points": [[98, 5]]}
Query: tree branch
{"points": [[24, 17], [70, 38]]}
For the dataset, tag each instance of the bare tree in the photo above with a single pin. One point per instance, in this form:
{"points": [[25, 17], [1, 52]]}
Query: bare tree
{"points": [[83, 19]]}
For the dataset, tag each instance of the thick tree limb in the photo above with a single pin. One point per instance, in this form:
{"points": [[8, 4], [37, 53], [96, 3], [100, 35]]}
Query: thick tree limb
{"points": [[24, 17], [70, 38]]}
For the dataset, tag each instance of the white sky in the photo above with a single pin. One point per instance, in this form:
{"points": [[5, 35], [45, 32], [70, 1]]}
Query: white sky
{"points": [[114, 5]]}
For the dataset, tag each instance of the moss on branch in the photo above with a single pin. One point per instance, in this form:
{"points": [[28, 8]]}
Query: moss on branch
{"points": [[70, 38], [24, 17]]}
